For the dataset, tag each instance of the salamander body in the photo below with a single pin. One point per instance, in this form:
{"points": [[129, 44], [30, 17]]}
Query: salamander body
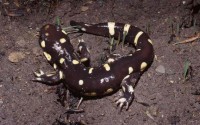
{"points": [[118, 73]]}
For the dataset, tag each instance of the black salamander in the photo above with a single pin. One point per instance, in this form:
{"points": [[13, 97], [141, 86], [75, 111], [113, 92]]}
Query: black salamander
{"points": [[123, 72]]}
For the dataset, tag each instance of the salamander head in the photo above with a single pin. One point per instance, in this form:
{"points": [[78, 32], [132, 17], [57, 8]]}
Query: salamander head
{"points": [[55, 43]]}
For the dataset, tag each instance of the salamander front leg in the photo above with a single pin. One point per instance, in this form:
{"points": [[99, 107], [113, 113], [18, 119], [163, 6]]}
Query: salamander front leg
{"points": [[113, 57], [128, 84], [49, 79], [84, 53]]}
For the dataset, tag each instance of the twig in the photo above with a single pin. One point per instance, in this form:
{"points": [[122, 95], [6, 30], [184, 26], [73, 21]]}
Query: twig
{"points": [[191, 39]]}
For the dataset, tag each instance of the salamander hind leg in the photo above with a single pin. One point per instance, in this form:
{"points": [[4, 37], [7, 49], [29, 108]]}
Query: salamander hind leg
{"points": [[128, 84], [49, 79]]}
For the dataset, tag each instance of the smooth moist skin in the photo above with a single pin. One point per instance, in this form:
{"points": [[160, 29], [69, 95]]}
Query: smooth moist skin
{"points": [[118, 73]]}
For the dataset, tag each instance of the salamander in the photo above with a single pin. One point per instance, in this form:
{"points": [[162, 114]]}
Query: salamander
{"points": [[117, 73]]}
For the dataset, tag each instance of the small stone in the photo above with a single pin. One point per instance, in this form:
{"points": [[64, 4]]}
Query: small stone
{"points": [[84, 8], [153, 110], [16, 56], [160, 69]]}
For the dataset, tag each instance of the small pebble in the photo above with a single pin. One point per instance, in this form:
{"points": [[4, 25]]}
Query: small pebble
{"points": [[16, 57], [84, 8], [160, 69], [153, 111]]}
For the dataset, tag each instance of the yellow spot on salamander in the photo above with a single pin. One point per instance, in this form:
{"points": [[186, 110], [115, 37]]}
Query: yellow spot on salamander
{"points": [[143, 66], [62, 40], [91, 94], [111, 27], [110, 60], [150, 41], [126, 28], [46, 34], [84, 59], [107, 67], [130, 54], [60, 74], [46, 27], [48, 56], [75, 62], [109, 91], [130, 70], [50, 74], [64, 32], [80, 82], [54, 66], [42, 44], [126, 77], [137, 37], [90, 70], [61, 60]]}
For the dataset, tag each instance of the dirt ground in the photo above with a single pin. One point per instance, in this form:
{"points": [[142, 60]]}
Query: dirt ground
{"points": [[170, 98]]}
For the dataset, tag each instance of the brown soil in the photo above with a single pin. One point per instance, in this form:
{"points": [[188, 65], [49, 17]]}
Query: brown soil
{"points": [[171, 99]]}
